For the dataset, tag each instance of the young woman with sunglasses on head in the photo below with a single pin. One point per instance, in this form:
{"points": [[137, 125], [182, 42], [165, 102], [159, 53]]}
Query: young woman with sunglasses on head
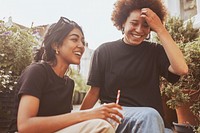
{"points": [[45, 93], [134, 65]]}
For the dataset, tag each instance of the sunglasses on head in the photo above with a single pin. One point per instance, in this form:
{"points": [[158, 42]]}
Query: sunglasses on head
{"points": [[65, 20], [62, 22]]}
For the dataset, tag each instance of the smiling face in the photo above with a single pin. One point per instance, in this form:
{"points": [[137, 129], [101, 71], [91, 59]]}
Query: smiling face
{"points": [[71, 51], [135, 28]]}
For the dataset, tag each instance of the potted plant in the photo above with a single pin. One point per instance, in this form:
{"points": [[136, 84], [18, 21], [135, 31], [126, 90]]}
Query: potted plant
{"points": [[181, 94], [184, 96], [186, 93]]}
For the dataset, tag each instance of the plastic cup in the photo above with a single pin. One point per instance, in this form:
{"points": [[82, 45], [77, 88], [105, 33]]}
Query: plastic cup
{"points": [[113, 122]]}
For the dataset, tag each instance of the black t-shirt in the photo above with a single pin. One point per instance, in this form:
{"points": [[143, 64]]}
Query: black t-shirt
{"points": [[55, 93], [135, 70]]}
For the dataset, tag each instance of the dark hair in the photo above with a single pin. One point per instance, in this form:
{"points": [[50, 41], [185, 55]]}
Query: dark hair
{"points": [[123, 8], [56, 33]]}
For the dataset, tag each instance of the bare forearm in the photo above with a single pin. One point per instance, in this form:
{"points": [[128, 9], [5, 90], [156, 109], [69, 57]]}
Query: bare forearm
{"points": [[90, 99], [52, 123], [55, 123], [175, 56]]}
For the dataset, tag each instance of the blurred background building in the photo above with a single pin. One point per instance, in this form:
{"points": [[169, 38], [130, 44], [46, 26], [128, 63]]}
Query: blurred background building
{"points": [[185, 9]]}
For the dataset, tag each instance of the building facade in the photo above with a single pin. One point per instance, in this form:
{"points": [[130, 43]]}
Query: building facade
{"points": [[185, 9]]}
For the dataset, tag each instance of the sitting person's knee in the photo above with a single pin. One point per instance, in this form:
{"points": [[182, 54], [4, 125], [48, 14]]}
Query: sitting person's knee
{"points": [[151, 113], [102, 126]]}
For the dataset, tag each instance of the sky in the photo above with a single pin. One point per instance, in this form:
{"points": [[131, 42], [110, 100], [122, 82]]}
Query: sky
{"points": [[94, 16]]}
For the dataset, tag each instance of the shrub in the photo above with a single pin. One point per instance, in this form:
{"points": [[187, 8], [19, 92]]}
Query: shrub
{"points": [[188, 40], [16, 46], [181, 32]]}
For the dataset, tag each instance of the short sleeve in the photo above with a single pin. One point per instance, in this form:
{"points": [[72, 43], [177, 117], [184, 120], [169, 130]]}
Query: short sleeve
{"points": [[97, 66], [32, 81], [163, 63]]}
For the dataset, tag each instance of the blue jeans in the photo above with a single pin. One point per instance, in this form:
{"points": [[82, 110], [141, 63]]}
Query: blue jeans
{"points": [[142, 120]]}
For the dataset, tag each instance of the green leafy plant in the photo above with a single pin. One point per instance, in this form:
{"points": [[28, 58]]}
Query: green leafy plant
{"points": [[80, 83], [188, 40], [16, 46], [191, 81], [7, 81], [181, 32], [80, 86]]}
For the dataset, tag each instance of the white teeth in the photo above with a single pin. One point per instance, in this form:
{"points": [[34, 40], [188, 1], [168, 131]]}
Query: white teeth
{"points": [[78, 53], [137, 36]]}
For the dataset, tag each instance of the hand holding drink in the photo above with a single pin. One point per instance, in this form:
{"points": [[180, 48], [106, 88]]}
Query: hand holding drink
{"points": [[113, 122]]}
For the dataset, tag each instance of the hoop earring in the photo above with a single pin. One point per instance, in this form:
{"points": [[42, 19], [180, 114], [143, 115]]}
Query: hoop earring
{"points": [[148, 37]]}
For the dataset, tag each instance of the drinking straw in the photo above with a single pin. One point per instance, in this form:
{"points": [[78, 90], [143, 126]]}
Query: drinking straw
{"points": [[118, 95]]}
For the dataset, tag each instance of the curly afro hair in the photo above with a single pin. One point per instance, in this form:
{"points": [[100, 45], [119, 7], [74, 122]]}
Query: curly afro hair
{"points": [[123, 8]]}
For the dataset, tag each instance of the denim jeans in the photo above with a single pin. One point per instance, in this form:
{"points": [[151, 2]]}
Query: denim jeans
{"points": [[142, 120]]}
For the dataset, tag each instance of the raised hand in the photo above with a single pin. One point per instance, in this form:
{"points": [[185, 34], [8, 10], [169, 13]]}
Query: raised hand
{"points": [[152, 20]]}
